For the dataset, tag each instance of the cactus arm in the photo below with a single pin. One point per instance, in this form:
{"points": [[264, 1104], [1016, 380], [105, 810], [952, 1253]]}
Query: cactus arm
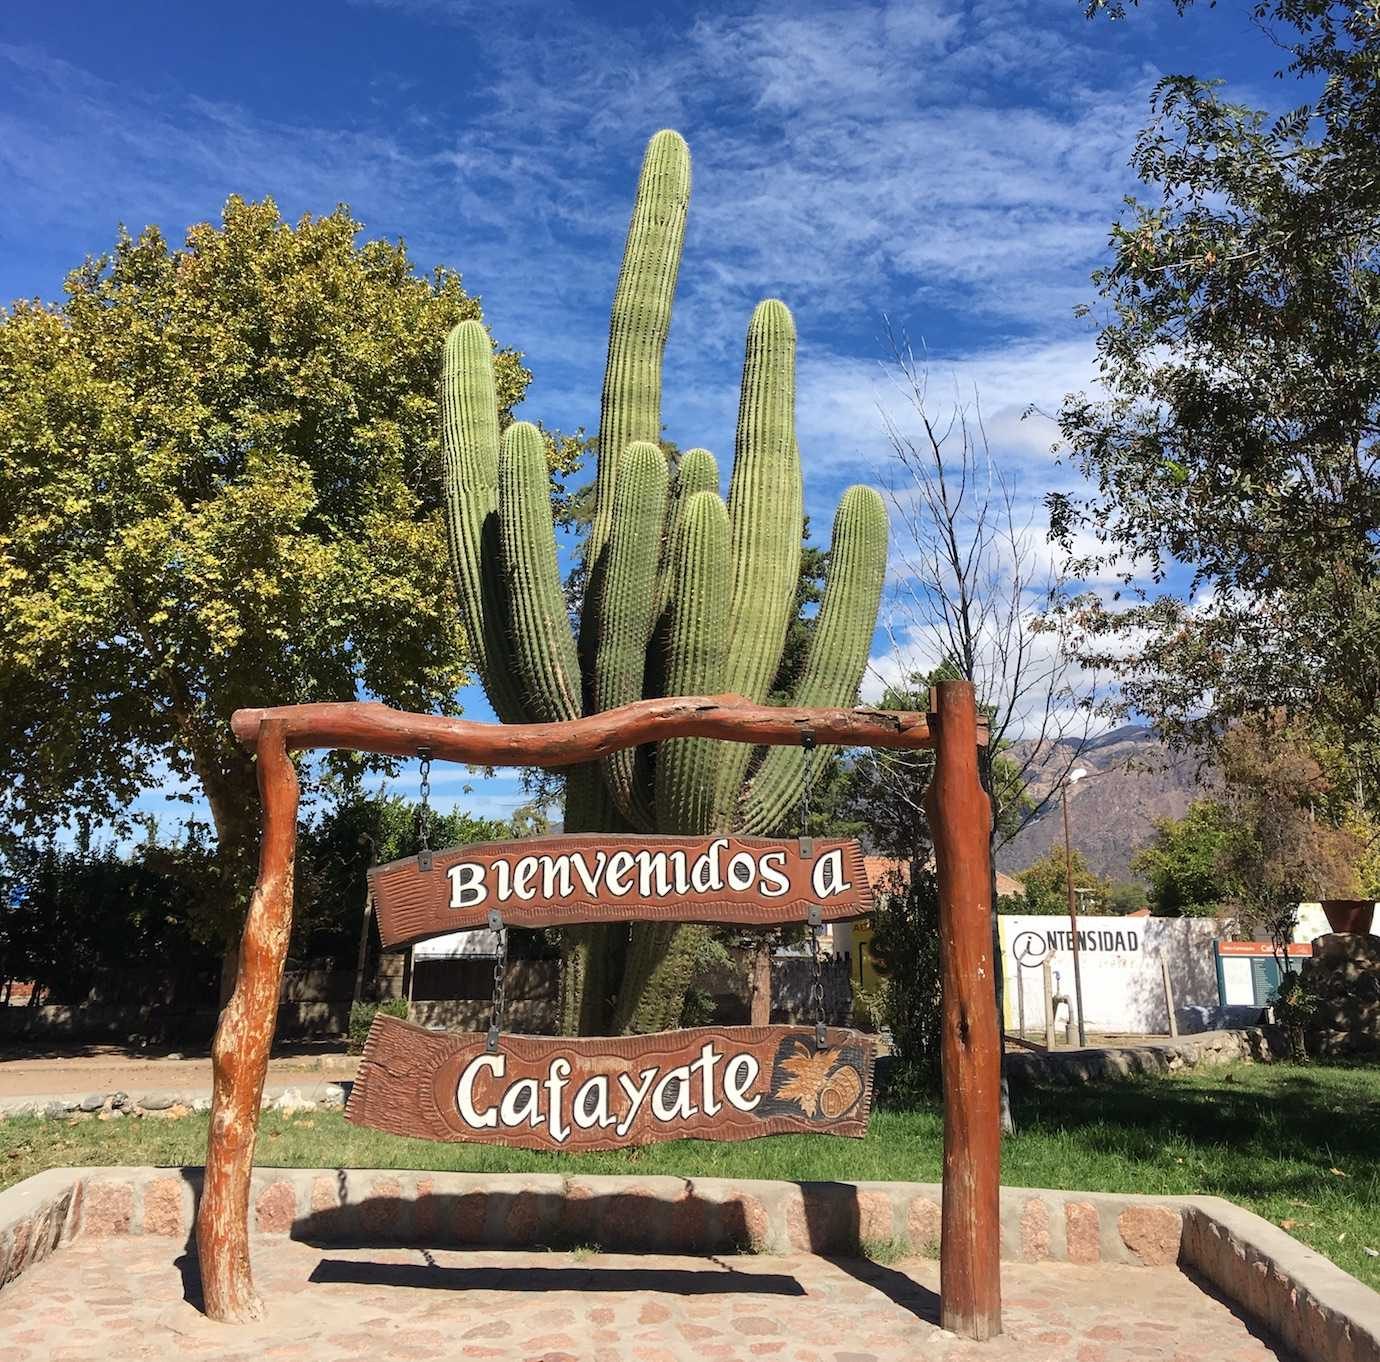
{"points": [[661, 955], [470, 449], [542, 644], [765, 515], [630, 408], [838, 651], [663, 959], [698, 472], [626, 610], [696, 656]]}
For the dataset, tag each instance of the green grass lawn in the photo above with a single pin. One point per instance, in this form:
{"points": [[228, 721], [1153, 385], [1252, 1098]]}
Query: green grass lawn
{"points": [[1299, 1145]]}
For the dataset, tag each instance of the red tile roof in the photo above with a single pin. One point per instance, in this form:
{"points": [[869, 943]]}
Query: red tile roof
{"points": [[880, 866]]}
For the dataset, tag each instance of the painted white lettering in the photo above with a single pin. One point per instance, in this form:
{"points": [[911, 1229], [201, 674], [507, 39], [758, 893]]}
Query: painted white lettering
{"points": [[636, 1094], [740, 1073], [620, 863], [709, 1057], [523, 874], [706, 877], [742, 872], [466, 884], [826, 878], [464, 1090], [773, 870], [556, 882], [503, 880], [586, 1115], [653, 875], [555, 1081], [590, 879], [680, 874], [680, 1107], [520, 1104]]}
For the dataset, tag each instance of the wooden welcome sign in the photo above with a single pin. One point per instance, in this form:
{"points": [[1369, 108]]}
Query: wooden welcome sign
{"points": [[560, 881], [573, 1093], [557, 1093]]}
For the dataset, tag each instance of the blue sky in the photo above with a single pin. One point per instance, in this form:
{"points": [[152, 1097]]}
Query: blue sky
{"points": [[951, 166]]}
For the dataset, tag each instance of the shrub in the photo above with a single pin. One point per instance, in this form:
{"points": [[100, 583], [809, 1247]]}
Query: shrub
{"points": [[362, 1018], [905, 945]]}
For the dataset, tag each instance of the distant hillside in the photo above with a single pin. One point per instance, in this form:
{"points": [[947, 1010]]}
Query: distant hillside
{"points": [[1132, 780]]}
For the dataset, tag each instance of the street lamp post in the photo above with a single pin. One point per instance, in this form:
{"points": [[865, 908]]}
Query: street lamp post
{"points": [[1073, 778]]}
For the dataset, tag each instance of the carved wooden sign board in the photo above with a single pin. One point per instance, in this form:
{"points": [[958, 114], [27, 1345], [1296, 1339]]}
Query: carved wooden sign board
{"points": [[547, 1092], [560, 881], [588, 1093]]}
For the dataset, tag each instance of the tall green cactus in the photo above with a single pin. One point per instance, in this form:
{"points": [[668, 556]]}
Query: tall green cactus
{"points": [[685, 594]]}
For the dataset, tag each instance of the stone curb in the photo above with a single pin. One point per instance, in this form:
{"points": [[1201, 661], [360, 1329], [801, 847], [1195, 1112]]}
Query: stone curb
{"points": [[1320, 1312], [1097, 1063], [105, 1106]]}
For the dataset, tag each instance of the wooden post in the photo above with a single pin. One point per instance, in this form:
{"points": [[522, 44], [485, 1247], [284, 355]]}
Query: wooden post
{"points": [[1169, 997], [1047, 972], [760, 980], [970, 1238], [363, 945], [239, 1054]]}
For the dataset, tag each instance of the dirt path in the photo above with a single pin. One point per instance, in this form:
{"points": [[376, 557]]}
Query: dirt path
{"points": [[113, 1068]]}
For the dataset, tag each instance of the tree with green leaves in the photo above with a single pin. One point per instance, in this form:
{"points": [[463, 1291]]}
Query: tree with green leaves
{"points": [[220, 487], [1240, 353], [1183, 861], [1045, 881]]}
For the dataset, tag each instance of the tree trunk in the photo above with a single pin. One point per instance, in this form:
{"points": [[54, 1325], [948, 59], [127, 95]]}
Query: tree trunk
{"points": [[761, 981]]}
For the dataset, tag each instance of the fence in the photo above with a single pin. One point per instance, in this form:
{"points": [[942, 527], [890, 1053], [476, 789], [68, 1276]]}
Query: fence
{"points": [[454, 993]]}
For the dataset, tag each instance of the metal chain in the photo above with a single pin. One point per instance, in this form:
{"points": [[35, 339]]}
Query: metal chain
{"points": [[817, 989], [424, 812], [500, 973], [807, 742]]}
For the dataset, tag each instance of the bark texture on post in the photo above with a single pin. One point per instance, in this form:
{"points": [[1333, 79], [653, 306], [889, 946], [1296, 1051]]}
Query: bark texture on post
{"points": [[760, 991], [240, 1051], [958, 811]]}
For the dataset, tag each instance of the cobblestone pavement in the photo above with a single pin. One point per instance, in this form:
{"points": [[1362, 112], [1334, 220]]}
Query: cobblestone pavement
{"points": [[101, 1300]]}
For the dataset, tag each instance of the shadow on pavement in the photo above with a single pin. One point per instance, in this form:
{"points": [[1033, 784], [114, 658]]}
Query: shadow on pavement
{"points": [[672, 1281]]}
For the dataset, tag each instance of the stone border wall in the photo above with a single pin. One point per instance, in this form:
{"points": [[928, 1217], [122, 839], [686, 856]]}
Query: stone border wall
{"points": [[1320, 1312], [1096, 1063]]}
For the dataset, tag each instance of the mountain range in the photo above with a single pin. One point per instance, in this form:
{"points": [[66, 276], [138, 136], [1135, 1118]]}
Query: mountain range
{"points": [[1133, 779]]}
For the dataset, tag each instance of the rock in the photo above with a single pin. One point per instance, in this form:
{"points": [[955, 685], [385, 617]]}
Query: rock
{"points": [[114, 1114], [92, 1101], [332, 1095], [176, 1054], [119, 1100], [201, 1104], [157, 1101], [55, 1110], [169, 1113], [289, 1102]]}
